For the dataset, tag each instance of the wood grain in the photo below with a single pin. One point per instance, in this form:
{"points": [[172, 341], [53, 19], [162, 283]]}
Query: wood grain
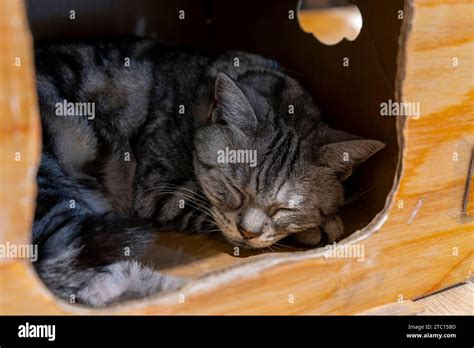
{"points": [[19, 126], [423, 246]]}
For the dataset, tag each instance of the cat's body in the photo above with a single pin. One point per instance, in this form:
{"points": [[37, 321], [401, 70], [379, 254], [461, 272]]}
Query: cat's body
{"points": [[145, 161]]}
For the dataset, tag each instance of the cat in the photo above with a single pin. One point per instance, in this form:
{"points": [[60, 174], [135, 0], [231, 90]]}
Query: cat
{"points": [[146, 158]]}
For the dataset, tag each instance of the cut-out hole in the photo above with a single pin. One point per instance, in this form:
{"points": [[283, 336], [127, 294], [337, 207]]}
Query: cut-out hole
{"points": [[330, 25], [318, 67]]}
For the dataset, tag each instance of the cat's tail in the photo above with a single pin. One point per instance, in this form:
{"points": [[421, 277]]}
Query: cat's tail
{"points": [[87, 254]]}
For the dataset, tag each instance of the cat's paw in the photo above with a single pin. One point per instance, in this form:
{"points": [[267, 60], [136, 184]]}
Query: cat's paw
{"points": [[309, 238], [333, 228]]}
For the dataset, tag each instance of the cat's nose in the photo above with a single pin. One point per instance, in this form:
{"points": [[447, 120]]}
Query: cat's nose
{"points": [[247, 234], [251, 223]]}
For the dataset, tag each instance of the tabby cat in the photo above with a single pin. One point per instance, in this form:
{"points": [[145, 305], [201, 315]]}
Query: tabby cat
{"points": [[165, 145]]}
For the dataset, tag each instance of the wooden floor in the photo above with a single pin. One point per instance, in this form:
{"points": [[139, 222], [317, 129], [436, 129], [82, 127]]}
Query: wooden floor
{"points": [[454, 301], [458, 300]]}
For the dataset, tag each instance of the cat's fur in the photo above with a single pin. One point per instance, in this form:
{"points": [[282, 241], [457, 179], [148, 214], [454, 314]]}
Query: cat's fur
{"points": [[108, 184]]}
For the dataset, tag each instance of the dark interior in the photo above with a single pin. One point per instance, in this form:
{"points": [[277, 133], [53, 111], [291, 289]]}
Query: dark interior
{"points": [[349, 97]]}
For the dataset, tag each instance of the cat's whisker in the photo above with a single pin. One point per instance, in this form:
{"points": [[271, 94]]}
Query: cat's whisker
{"points": [[211, 231], [205, 214], [169, 185], [185, 194], [195, 193], [205, 220], [203, 223], [360, 194], [189, 198], [285, 246], [271, 249]]}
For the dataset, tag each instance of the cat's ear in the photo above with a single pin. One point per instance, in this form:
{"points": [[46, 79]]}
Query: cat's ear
{"points": [[343, 156], [231, 105]]}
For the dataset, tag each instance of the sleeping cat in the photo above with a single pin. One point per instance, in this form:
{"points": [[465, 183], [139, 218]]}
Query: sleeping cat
{"points": [[148, 156]]}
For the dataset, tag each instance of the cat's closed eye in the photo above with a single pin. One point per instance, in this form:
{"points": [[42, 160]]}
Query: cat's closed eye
{"points": [[232, 198], [205, 165], [280, 210]]}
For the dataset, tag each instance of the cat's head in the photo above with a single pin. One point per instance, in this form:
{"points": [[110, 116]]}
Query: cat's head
{"points": [[267, 164]]}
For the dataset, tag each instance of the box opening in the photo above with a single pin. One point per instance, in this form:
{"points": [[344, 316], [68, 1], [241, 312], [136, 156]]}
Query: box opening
{"points": [[349, 80]]}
